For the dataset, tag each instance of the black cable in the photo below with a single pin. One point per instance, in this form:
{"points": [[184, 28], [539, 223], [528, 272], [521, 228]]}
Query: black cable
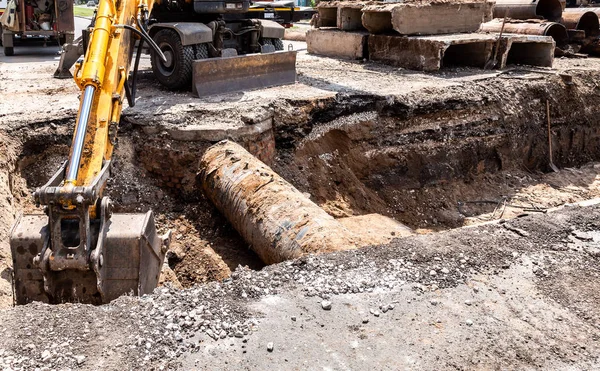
{"points": [[228, 30], [130, 92], [149, 39], [140, 32]]}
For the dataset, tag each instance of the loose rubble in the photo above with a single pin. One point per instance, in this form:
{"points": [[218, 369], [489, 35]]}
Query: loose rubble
{"points": [[157, 330]]}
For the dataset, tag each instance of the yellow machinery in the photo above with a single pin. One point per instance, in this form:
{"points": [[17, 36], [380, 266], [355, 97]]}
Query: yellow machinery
{"points": [[80, 251]]}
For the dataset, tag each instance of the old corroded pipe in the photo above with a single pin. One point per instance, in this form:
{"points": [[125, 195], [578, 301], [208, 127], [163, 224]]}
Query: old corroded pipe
{"points": [[594, 9], [273, 217], [528, 9], [556, 30], [581, 19]]}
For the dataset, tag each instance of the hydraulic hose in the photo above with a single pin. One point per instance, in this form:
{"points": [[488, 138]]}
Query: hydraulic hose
{"points": [[144, 35]]}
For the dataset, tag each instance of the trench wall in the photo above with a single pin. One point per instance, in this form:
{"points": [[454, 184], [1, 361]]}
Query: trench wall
{"points": [[408, 141], [384, 154]]}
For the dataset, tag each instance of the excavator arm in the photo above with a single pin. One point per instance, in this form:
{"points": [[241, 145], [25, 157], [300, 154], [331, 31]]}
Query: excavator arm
{"points": [[102, 77], [80, 251]]}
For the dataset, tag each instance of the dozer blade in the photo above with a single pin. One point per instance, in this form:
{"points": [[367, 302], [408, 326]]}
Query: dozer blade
{"points": [[131, 261], [243, 72]]}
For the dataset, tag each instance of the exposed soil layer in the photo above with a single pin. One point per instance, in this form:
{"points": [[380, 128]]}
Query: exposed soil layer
{"points": [[195, 224], [418, 160]]}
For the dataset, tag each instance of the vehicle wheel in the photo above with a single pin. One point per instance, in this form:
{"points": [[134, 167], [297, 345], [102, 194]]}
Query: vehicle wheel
{"points": [[277, 43], [200, 51], [9, 51], [176, 72]]}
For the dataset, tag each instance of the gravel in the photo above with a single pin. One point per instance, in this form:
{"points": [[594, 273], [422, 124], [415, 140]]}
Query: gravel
{"points": [[156, 330]]}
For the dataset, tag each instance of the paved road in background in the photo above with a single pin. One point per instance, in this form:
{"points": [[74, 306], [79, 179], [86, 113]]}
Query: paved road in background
{"points": [[37, 52]]}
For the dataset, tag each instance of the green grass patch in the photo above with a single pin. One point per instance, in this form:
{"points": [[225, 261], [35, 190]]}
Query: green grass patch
{"points": [[83, 11]]}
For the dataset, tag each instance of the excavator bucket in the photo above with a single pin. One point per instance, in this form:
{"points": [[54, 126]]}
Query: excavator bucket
{"points": [[243, 72], [130, 263]]}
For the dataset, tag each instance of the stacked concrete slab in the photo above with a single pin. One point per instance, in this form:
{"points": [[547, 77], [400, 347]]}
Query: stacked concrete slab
{"points": [[419, 34], [431, 53]]}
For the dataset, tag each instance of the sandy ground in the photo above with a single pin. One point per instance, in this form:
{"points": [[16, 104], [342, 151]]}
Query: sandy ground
{"points": [[517, 294]]}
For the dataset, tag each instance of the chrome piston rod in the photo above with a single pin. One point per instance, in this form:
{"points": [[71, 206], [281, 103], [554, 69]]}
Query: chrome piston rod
{"points": [[81, 129]]}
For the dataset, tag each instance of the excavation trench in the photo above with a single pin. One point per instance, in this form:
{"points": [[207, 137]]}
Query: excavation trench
{"points": [[439, 164]]}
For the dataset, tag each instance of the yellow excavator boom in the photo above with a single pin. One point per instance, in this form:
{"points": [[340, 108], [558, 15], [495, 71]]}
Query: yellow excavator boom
{"points": [[81, 251], [102, 76]]}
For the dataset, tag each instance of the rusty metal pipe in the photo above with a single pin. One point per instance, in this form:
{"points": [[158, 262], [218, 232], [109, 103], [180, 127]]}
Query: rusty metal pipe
{"points": [[556, 30], [527, 9], [594, 9], [274, 218], [581, 19]]}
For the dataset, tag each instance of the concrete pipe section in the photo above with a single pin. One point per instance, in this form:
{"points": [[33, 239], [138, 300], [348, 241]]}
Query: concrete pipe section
{"points": [[556, 30], [581, 19], [273, 217], [527, 9]]}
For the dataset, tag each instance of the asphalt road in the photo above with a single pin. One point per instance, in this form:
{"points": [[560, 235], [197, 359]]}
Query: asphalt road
{"points": [[36, 51]]}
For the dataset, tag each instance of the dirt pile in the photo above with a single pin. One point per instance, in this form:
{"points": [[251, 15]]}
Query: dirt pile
{"points": [[433, 152]]}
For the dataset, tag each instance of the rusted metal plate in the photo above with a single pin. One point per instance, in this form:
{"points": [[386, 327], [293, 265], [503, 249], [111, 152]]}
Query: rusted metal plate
{"points": [[133, 255], [132, 260], [225, 75], [27, 240]]}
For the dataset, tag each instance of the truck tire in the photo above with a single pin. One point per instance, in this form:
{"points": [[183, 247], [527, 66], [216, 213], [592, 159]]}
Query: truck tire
{"points": [[9, 51], [176, 73], [277, 43], [200, 51]]}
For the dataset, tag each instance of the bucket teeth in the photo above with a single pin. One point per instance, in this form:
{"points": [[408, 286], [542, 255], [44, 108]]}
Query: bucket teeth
{"points": [[131, 261]]}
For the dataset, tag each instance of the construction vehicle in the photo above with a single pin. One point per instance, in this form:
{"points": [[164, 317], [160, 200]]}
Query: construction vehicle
{"points": [[261, 21], [49, 20], [282, 12], [81, 251]]}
